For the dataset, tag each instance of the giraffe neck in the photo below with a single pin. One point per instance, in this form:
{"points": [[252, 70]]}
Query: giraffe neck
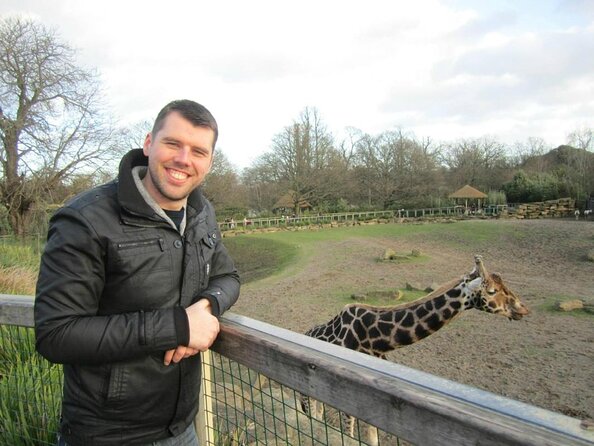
{"points": [[408, 323]]}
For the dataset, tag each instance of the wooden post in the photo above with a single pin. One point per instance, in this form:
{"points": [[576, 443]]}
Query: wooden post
{"points": [[204, 421]]}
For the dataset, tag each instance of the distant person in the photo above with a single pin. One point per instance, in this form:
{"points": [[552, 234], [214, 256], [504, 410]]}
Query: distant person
{"points": [[132, 280]]}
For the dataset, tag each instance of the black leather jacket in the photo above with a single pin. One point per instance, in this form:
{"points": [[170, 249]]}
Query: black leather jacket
{"points": [[113, 282]]}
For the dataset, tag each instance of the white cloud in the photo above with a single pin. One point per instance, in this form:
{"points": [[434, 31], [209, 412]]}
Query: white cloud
{"points": [[444, 69]]}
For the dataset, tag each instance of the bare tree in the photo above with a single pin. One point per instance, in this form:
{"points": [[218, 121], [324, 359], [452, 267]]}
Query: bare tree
{"points": [[581, 162], [582, 138], [480, 162], [530, 154], [50, 123], [222, 185], [300, 154]]}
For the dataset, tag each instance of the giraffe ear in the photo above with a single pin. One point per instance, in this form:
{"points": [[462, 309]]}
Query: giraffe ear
{"points": [[496, 278]]}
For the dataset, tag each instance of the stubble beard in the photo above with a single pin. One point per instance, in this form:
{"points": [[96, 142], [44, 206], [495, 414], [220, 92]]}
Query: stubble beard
{"points": [[160, 185]]}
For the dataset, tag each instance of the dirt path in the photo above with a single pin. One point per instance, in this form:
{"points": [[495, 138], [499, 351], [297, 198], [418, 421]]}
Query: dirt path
{"points": [[546, 359]]}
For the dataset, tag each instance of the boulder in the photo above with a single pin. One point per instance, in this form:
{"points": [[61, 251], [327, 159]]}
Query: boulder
{"points": [[359, 297], [570, 305], [389, 254], [412, 286]]}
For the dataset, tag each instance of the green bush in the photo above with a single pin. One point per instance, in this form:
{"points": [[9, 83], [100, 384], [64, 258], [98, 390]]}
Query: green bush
{"points": [[30, 396], [30, 391]]}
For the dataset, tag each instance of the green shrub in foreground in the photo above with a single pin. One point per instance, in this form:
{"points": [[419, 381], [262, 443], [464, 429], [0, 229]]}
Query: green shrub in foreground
{"points": [[30, 396]]}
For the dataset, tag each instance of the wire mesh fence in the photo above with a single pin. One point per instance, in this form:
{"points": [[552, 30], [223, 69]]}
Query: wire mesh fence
{"points": [[240, 406], [251, 409], [30, 391]]}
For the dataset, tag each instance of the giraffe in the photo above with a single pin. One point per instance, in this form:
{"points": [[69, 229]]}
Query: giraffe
{"points": [[378, 330]]}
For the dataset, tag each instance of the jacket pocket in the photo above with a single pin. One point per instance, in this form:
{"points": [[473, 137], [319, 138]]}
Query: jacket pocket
{"points": [[139, 274], [116, 384], [206, 249], [144, 391]]}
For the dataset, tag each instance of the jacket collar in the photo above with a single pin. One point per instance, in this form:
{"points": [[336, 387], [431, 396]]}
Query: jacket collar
{"points": [[130, 197]]}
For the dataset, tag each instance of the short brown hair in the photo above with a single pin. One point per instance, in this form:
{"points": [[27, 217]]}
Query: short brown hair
{"points": [[194, 112]]}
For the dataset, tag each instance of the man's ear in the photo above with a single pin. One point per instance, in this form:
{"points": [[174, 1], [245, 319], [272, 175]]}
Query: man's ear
{"points": [[147, 142]]}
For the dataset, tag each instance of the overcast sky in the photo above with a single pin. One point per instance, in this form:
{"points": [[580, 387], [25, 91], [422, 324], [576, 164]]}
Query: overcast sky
{"points": [[444, 69]]}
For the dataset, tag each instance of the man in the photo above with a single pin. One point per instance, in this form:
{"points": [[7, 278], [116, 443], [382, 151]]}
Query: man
{"points": [[131, 282]]}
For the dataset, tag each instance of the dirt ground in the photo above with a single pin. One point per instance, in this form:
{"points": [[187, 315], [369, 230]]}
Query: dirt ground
{"points": [[546, 359]]}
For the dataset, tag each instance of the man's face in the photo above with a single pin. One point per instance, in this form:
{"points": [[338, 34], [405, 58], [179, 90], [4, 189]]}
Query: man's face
{"points": [[180, 156]]}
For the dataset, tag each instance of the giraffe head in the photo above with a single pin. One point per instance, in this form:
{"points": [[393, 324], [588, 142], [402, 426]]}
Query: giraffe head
{"points": [[490, 294]]}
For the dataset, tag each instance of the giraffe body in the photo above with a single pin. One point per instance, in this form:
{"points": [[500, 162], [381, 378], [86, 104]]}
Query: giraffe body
{"points": [[378, 330]]}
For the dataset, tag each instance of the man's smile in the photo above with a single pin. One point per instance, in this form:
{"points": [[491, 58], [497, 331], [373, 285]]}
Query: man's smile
{"points": [[177, 175]]}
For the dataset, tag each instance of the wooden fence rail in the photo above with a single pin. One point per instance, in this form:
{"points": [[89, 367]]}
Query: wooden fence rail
{"points": [[416, 406]]}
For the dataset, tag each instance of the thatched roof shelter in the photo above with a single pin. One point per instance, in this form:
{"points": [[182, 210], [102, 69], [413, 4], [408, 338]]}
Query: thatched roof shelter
{"points": [[468, 192]]}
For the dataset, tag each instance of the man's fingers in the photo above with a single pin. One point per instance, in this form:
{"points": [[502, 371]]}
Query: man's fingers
{"points": [[168, 356], [179, 353]]}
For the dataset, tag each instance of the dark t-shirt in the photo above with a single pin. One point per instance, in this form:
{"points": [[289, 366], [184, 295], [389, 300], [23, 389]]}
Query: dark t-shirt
{"points": [[176, 216]]}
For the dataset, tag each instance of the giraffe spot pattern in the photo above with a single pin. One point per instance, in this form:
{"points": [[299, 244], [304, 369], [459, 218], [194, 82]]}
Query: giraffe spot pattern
{"points": [[350, 341], [347, 318], [421, 332], [360, 330], [455, 292], [381, 345], [403, 337], [421, 312], [368, 319], [434, 322], [408, 321], [374, 332], [385, 328], [439, 302]]}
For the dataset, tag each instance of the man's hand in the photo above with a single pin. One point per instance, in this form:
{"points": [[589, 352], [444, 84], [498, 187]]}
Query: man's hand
{"points": [[179, 353], [204, 328]]}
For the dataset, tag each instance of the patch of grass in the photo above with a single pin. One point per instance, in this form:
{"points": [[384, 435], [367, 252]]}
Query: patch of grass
{"points": [[463, 231], [17, 280], [34, 419], [19, 264], [20, 253], [259, 257], [549, 305], [382, 298]]}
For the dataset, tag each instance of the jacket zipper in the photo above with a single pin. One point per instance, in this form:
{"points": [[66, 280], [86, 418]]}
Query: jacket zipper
{"points": [[141, 243]]}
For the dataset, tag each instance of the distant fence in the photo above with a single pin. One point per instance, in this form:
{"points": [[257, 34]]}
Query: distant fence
{"points": [[253, 383], [281, 221]]}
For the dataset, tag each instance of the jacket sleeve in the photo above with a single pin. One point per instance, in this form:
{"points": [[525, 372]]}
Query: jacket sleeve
{"points": [[68, 327], [224, 283]]}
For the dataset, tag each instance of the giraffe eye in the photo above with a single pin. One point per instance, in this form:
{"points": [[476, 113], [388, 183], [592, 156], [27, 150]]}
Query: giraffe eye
{"points": [[491, 291]]}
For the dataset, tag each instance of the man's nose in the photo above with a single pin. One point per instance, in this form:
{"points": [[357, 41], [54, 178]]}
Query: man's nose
{"points": [[182, 156]]}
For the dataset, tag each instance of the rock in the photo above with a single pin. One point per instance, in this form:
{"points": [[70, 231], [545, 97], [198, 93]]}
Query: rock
{"points": [[397, 295], [412, 286], [590, 255], [359, 297], [570, 305], [415, 253], [431, 288], [389, 254]]}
